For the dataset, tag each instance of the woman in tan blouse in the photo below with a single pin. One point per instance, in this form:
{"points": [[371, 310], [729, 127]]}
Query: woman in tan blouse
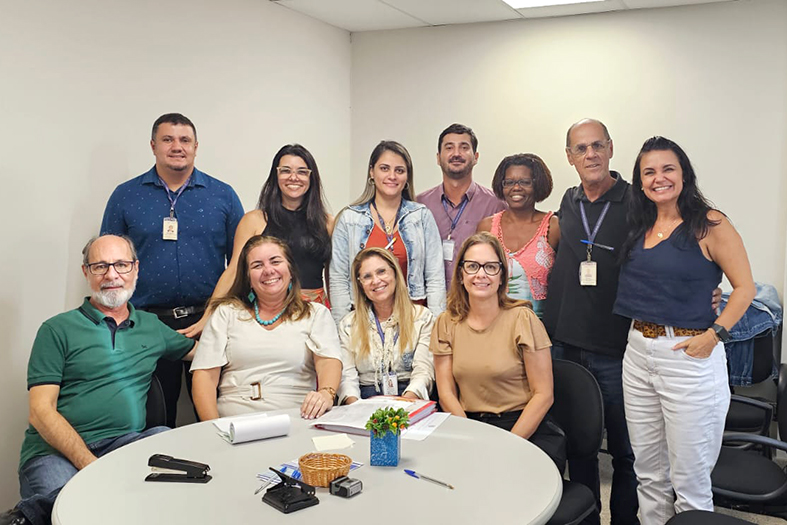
{"points": [[491, 352]]}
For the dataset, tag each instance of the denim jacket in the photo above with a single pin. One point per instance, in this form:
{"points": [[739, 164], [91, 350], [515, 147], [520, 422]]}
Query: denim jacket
{"points": [[763, 315], [425, 269]]}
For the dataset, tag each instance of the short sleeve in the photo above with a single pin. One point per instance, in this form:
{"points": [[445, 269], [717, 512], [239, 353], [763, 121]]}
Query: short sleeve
{"points": [[442, 341], [530, 334], [323, 339], [176, 345], [47, 358], [212, 349]]}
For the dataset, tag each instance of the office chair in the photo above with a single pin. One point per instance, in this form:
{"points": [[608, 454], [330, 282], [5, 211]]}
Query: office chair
{"points": [[579, 410], [746, 480], [155, 407], [703, 517]]}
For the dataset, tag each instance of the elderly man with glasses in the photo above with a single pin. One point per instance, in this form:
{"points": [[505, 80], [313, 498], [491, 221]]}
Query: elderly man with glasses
{"points": [[88, 377]]}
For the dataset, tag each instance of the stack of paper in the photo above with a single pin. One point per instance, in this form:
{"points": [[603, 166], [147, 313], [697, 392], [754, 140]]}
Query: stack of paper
{"points": [[240, 429], [353, 418]]}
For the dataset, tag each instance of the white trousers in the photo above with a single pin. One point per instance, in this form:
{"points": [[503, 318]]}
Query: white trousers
{"points": [[676, 406]]}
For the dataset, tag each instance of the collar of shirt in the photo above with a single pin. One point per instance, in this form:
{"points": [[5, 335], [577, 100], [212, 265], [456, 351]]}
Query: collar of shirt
{"points": [[96, 316], [469, 194], [197, 178], [614, 194]]}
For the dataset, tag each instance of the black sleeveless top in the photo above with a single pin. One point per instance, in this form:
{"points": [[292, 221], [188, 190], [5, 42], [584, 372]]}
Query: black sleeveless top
{"points": [[310, 254]]}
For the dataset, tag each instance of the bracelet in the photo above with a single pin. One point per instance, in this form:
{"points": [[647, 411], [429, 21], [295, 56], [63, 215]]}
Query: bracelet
{"points": [[715, 335], [330, 390]]}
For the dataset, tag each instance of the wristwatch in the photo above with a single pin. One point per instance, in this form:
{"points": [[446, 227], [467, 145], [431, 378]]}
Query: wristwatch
{"points": [[722, 333]]}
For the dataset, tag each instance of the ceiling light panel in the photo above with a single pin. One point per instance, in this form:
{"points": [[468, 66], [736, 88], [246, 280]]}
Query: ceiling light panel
{"points": [[573, 9], [526, 4], [441, 12]]}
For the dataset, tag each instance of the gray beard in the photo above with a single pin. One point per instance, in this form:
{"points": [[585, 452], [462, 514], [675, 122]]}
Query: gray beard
{"points": [[114, 298]]}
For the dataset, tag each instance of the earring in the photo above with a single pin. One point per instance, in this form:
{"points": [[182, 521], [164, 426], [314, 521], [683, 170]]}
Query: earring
{"points": [[370, 181], [251, 296], [407, 185], [289, 287]]}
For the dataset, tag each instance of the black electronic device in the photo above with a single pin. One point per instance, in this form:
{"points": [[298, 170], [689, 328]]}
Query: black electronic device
{"points": [[290, 494], [346, 487]]}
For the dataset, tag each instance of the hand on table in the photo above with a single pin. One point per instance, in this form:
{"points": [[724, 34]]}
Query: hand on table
{"points": [[316, 404]]}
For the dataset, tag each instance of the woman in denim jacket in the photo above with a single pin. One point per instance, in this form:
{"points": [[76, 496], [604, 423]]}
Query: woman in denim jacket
{"points": [[385, 216]]}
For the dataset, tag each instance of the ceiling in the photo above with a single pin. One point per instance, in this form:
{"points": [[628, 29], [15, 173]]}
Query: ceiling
{"points": [[375, 15]]}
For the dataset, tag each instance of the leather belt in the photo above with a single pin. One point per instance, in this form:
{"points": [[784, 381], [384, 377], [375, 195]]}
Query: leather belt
{"points": [[178, 312], [653, 330]]}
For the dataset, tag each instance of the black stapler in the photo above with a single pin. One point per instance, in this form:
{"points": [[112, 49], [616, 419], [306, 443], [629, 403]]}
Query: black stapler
{"points": [[192, 472], [290, 495]]}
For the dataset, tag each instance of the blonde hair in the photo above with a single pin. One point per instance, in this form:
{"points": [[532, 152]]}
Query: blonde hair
{"points": [[238, 295], [403, 309], [458, 304]]}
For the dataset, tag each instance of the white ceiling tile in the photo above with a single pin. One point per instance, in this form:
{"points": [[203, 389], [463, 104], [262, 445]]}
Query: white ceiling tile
{"points": [[573, 9], [354, 15], [440, 12], [640, 4]]}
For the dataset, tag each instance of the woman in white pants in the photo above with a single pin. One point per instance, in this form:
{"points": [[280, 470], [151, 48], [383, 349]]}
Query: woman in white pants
{"points": [[674, 369]]}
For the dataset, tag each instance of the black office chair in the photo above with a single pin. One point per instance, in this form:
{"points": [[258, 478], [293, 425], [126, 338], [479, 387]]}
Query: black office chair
{"points": [[703, 517], [746, 480], [155, 407], [579, 410]]}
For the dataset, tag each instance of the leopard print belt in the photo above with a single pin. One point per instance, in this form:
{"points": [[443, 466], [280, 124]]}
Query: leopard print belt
{"points": [[653, 330]]}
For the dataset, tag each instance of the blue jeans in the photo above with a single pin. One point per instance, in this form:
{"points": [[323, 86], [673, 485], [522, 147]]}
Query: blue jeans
{"points": [[608, 372], [42, 477]]}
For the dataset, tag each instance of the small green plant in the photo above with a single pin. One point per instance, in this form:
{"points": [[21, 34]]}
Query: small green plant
{"points": [[386, 420]]}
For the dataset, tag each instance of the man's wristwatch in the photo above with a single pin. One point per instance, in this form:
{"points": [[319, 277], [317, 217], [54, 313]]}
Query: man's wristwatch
{"points": [[722, 333]]}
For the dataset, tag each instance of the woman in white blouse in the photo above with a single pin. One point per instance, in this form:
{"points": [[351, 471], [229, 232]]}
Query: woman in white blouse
{"points": [[264, 347], [385, 340]]}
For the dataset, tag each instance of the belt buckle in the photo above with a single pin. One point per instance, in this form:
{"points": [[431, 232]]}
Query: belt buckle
{"points": [[180, 312], [256, 391]]}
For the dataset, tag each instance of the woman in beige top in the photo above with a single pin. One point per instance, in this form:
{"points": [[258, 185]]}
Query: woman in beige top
{"points": [[491, 353]]}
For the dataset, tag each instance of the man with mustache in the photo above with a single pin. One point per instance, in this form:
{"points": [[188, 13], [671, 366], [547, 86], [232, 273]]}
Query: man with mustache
{"points": [[88, 378], [459, 203], [183, 222]]}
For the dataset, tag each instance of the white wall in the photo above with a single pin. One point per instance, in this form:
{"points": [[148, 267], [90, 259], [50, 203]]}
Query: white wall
{"points": [[80, 86], [711, 77]]}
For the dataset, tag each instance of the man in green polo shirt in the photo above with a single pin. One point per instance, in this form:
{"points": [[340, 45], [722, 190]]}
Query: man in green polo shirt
{"points": [[88, 377]]}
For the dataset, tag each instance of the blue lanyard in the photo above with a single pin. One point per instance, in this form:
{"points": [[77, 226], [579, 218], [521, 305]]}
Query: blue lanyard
{"points": [[173, 202], [592, 236], [388, 237], [382, 335], [455, 220]]}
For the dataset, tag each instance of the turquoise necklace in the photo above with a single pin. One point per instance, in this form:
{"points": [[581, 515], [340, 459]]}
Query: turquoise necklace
{"points": [[266, 323]]}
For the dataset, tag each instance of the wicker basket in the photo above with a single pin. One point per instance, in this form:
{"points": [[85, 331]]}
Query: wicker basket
{"points": [[320, 469]]}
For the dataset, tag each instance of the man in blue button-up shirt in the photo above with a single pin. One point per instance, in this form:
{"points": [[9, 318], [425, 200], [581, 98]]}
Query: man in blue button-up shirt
{"points": [[183, 222]]}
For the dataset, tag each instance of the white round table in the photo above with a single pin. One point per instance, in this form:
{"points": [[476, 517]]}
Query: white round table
{"points": [[498, 478]]}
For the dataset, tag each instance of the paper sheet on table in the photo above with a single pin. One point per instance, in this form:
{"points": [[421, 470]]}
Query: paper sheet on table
{"points": [[332, 442], [241, 429], [424, 428]]}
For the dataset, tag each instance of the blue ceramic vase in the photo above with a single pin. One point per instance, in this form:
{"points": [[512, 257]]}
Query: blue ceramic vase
{"points": [[385, 450]]}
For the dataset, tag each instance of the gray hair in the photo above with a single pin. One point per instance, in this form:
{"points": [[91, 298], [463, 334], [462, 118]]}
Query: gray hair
{"points": [[89, 245]]}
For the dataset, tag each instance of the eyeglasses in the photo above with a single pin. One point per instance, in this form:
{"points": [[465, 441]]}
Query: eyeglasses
{"points": [[522, 183], [490, 268], [101, 268], [580, 150], [286, 171], [379, 273]]}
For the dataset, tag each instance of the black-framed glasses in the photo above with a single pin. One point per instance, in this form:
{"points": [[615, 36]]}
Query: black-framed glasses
{"points": [[101, 268], [522, 183], [580, 150], [490, 268], [286, 171]]}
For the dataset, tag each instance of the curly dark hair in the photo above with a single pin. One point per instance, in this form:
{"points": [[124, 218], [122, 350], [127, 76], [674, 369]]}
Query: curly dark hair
{"points": [[542, 177]]}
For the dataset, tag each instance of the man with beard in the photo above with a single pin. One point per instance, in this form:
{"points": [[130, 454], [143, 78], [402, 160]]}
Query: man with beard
{"points": [[88, 377], [183, 222], [459, 203]]}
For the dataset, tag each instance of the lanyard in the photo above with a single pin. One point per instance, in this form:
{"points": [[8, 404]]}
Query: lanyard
{"points": [[592, 235], [173, 202], [388, 236], [455, 220]]}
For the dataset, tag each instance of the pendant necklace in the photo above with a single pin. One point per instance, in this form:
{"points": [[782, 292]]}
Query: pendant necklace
{"points": [[660, 234], [266, 323]]}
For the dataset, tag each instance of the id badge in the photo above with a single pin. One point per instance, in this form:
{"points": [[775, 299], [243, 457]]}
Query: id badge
{"points": [[390, 384], [170, 229], [587, 273], [448, 250]]}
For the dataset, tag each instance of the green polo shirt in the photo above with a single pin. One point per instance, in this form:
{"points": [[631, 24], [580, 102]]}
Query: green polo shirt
{"points": [[103, 386]]}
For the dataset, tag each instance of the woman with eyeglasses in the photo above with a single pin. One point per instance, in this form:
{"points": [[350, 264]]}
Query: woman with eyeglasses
{"points": [[385, 340], [491, 353], [528, 236], [385, 216], [292, 208], [675, 382]]}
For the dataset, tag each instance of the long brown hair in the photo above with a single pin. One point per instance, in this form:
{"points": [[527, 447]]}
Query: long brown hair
{"points": [[458, 304], [238, 295], [403, 309]]}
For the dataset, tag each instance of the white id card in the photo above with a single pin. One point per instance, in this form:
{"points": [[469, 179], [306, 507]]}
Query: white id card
{"points": [[170, 229], [448, 250], [587, 273], [390, 384]]}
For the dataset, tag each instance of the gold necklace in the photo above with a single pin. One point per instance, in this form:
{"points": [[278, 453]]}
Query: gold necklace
{"points": [[660, 234]]}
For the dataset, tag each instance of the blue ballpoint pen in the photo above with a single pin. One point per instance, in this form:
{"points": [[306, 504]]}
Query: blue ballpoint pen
{"points": [[427, 478]]}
